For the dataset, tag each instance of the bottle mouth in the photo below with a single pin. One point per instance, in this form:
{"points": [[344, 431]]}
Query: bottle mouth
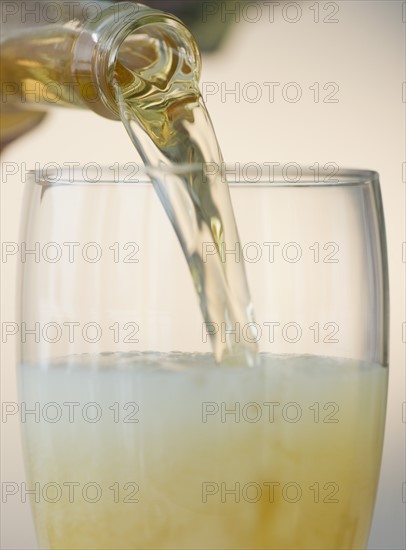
{"points": [[128, 39]]}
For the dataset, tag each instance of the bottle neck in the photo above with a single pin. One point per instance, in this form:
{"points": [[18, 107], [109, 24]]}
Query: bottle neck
{"points": [[96, 51]]}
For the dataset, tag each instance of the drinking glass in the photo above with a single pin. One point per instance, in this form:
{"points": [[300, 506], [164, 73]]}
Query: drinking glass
{"points": [[138, 439]]}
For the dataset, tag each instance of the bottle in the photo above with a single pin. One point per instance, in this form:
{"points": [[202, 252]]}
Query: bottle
{"points": [[67, 53]]}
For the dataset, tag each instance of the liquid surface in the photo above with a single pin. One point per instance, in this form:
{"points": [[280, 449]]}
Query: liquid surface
{"points": [[187, 455]]}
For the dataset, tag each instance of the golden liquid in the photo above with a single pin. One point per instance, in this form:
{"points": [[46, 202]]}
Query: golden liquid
{"points": [[34, 74], [34, 70], [164, 479]]}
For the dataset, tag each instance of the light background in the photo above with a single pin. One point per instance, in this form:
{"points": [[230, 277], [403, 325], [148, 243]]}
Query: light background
{"points": [[364, 53]]}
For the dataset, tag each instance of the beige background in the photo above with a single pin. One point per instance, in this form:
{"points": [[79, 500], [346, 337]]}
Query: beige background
{"points": [[364, 53]]}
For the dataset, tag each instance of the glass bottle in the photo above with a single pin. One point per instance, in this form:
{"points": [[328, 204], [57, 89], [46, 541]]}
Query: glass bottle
{"points": [[67, 53]]}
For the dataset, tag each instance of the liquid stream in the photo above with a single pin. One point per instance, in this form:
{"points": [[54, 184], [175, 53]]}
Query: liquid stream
{"points": [[164, 114]]}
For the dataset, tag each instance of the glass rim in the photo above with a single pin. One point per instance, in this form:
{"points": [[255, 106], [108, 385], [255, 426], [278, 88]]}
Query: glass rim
{"points": [[238, 174]]}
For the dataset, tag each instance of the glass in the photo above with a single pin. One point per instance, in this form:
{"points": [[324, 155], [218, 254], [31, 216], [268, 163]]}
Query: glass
{"points": [[138, 439]]}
